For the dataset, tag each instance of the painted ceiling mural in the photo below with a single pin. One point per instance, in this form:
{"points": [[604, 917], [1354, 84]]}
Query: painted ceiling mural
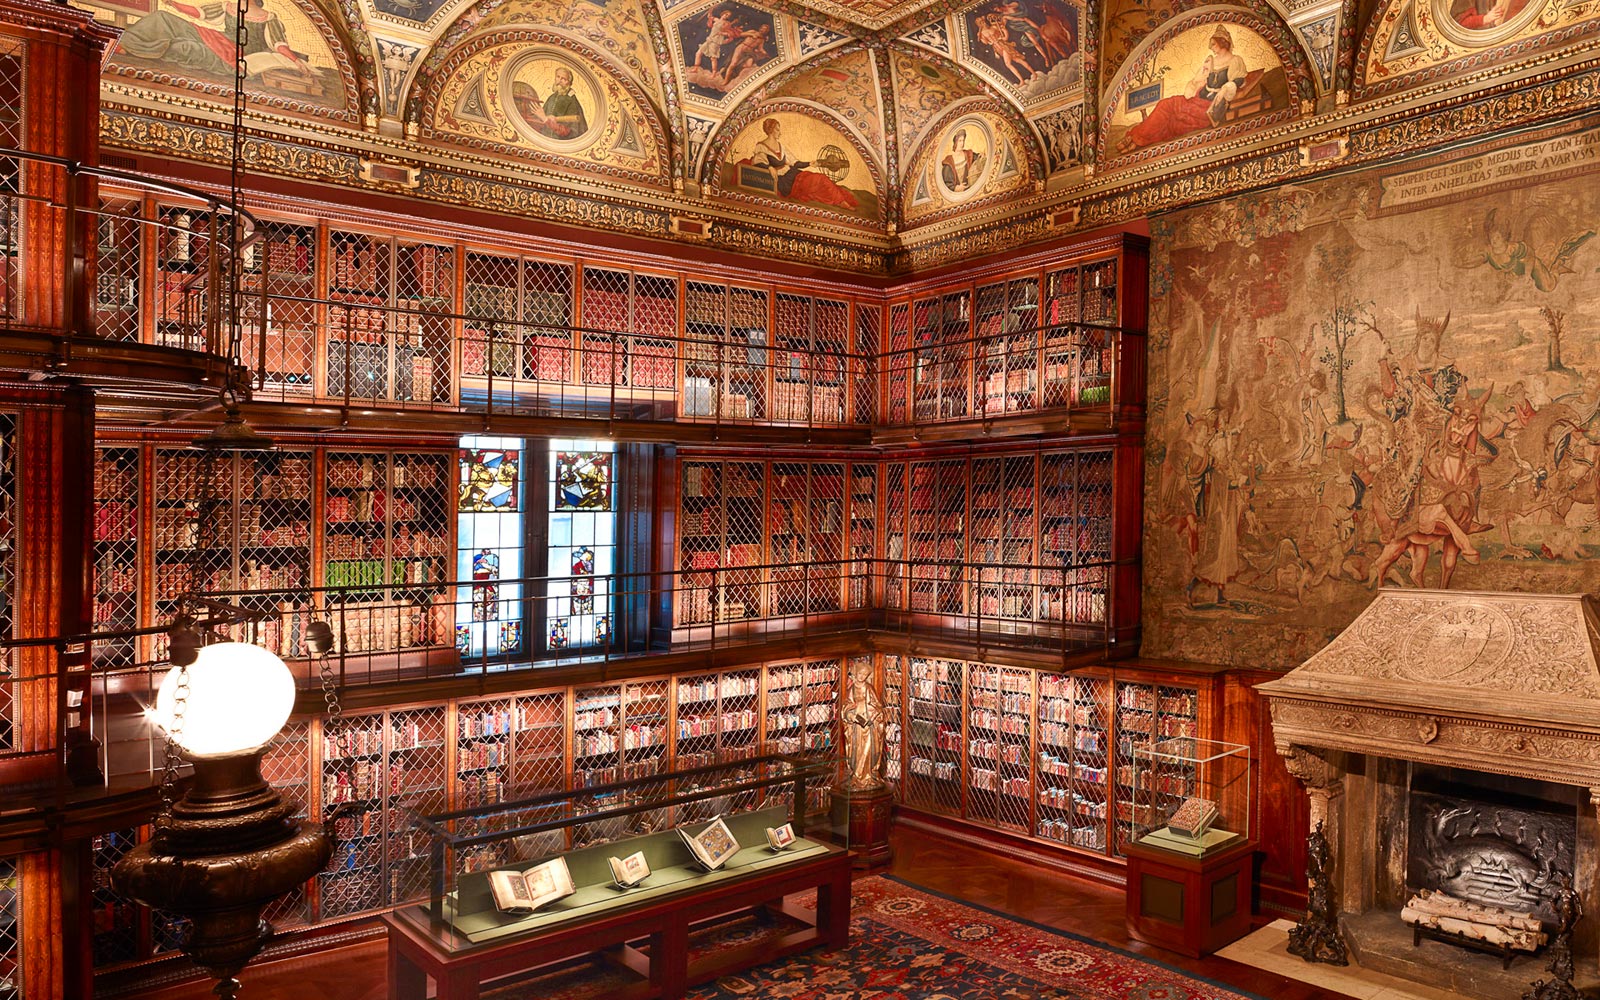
{"points": [[1029, 48], [788, 157], [544, 98], [669, 92], [617, 27], [723, 48], [1420, 40], [1197, 80], [923, 90], [848, 86], [294, 58], [973, 158]]}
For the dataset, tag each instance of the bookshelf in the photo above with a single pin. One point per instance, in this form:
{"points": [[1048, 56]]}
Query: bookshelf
{"points": [[801, 700], [810, 337], [862, 406], [1034, 753], [539, 744], [1075, 513], [482, 737], [388, 521], [935, 745], [284, 262], [999, 746], [183, 247], [1074, 740], [896, 537], [721, 520], [353, 786], [941, 376], [717, 717], [490, 336], [234, 521], [1145, 713], [937, 542], [118, 265], [726, 351], [116, 555], [286, 766], [1005, 352], [119, 931], [894, 712], [390, 336], [805, 518], [863, 534], [636, 316]]}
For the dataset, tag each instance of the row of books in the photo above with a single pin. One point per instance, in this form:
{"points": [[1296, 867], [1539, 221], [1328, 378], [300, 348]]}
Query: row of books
{"points": [[710, 725], [1001, 751], [1016, 725], [726, 686]]}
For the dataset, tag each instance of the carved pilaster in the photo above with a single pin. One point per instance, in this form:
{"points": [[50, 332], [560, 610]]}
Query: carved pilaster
{"points": [[1324, 781]]}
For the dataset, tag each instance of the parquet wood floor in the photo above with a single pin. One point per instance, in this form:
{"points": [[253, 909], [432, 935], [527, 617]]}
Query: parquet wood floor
{"points": [[356, 972]]}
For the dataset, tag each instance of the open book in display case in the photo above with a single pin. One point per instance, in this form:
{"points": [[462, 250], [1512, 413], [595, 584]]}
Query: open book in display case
{"points": [[745, 794]]}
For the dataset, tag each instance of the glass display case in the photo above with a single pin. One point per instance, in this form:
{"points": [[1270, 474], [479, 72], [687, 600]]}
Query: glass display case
{"points": [[557, 860], [1190, 795]]}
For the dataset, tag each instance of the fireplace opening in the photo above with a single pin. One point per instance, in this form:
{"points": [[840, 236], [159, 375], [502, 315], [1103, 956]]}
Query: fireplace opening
{"points": [[1490, 839]]}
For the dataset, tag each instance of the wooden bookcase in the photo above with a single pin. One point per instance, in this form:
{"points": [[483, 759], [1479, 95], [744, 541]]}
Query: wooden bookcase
{"points": [[630, 323], [116, 554], [1034, 753], [520, 317], [284, 262], [1062, 330], [390, 336], [735, 516]]}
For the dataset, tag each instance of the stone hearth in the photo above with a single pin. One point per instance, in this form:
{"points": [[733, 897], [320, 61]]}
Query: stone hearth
{"points": [[1504, 690]]}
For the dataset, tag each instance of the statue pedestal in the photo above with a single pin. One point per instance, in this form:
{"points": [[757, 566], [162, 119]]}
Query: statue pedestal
{"points": [[865, 813]]}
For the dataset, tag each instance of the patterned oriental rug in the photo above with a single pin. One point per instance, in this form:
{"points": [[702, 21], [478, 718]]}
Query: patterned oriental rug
{"points": [[910, 943]]}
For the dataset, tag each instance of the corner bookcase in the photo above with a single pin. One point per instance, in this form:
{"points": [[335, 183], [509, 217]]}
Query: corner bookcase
{"points": [[1036, 754]]}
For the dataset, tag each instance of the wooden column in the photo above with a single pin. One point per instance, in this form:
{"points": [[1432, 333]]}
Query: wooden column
{"points": [[60, 49]]}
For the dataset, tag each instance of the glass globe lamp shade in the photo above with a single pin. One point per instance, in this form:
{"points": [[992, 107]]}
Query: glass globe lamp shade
{"points": [[240, 695]]}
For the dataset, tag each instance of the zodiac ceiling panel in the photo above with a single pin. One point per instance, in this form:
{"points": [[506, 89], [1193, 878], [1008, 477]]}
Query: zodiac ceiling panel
{"points": [[1028, 48], [800, 164], [724, 48], [847, 86], [292, 57], [1447, 37], [542, 101]]}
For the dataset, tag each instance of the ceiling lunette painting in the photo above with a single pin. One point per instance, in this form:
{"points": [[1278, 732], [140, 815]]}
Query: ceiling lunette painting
{"points": [[1060, 86]]}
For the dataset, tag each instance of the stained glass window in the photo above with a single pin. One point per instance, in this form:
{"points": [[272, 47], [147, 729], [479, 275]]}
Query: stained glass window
{"points": [[489, 546], [583, 480], [582, 556], [489, 478]]}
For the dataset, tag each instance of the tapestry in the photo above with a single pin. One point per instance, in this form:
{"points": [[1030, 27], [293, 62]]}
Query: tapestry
{"points": [[1386, 379], [908, 943]]}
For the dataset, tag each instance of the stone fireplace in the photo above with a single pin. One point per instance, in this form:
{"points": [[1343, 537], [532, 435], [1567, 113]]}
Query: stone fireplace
{"points": [[1451, 740]]}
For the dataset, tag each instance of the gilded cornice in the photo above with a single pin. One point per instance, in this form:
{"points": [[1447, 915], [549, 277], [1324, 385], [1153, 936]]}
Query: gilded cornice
{"points": [[1550, 89]]}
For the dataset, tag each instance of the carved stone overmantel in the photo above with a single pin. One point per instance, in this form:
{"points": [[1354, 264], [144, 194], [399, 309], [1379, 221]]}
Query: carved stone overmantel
{"points": [[1507, 684]]}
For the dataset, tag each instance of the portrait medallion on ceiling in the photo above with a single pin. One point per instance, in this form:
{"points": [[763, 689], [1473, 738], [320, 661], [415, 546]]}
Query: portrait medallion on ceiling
{"points": [[1029, 47], [973, 157], [543, 99], [723, 46], [922, 92], [289, 56], [799, 162], [1413, 36], [1197, 85]]}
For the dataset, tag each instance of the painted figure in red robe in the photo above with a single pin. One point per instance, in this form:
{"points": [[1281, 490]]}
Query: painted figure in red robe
{"points": [[1203, 104]]}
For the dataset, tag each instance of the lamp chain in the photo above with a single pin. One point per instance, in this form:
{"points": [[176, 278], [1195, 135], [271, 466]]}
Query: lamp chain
{"points": [[341, 736], [169, 774]]}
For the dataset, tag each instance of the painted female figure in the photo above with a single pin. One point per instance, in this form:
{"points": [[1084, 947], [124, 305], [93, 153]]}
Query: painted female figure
{"points": [[961, 166], [791, 175], [1204, 102]]}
